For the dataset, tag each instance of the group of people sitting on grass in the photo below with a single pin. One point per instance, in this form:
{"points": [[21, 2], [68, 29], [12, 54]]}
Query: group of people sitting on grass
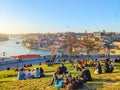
{"points": [[24, 74], [70, 82], [97, 67], [108, 66], [67, 80]]}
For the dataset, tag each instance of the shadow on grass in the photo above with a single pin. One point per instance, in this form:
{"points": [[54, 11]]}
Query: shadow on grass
{"points": [[47, 76], [117, 65], [116, 72], [108, 80], [4, 81]]}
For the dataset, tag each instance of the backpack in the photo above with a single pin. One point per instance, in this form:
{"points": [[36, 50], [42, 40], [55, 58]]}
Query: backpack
{"points": [[59, 84]]}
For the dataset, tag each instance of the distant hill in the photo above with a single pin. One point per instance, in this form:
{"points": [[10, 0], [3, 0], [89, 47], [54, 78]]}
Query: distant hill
{"points": [[4, 37]]}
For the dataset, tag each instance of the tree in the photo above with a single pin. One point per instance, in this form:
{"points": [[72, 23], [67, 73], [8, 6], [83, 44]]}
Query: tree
{"points": [[89, 45], [108, 44], [70, 42]]}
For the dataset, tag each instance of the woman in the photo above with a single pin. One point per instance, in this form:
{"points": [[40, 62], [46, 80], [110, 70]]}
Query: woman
{"points": [[41, 72], [98, 69], [29, 74], [37, 73]]}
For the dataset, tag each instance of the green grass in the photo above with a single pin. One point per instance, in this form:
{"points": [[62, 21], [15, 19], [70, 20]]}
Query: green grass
{"points": [[110, 81]]}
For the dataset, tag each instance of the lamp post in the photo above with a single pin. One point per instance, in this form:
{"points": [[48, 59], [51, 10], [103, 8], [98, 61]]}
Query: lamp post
{"points": [[53, 50], [17, 62]]}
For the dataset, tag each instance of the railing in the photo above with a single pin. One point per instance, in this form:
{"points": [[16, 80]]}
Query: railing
{"points": [[16, 63]]}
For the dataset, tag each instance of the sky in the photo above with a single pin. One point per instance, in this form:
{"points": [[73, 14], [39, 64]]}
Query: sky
{"points": [[52, 16]]}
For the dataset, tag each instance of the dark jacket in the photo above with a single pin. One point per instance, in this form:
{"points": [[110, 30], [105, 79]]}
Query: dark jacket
{"points": [[99, 69], [86, 75]]}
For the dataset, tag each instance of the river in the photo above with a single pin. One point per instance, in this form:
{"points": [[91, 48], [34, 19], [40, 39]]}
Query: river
{"points": [[11, 48]]}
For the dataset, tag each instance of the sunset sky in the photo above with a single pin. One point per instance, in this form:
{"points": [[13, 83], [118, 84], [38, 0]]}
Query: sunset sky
{"points": [[43, 16]]}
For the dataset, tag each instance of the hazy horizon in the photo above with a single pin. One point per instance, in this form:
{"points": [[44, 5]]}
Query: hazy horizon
{"points": [[45, 16]]}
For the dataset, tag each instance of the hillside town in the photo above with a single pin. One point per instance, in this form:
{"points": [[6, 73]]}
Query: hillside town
{"points": [[101, 42], [3, 37]]}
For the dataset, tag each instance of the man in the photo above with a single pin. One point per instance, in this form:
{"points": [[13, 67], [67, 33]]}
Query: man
{"points": [[86, 75], [63, 68]]}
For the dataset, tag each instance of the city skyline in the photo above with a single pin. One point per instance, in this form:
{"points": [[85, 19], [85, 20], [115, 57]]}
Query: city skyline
{"points": [[43, 16]]}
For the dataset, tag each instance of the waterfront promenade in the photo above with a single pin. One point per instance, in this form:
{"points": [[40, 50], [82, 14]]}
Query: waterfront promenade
{"points": [[9, 62]]}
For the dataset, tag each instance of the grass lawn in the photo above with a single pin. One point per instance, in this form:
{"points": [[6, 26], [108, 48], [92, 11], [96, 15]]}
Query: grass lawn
{"points": [[109, 81]]}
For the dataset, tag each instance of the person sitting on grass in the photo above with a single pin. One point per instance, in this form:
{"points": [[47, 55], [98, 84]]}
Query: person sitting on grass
{"points": [[92, 63], [111, 66], [79, 81], [33, 72], [73, 84], [67, 79], [64, 76], [86, 75], [41, 72], [106, 67], [21, 75], [59, 70], [29, 74], [98, 69], [69, 75], [37, 73], [54, 79], [77, 68], [63, 69]]}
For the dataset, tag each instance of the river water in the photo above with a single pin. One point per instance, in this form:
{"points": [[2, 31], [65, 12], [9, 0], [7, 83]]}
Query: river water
{"points": [[11, 48]]}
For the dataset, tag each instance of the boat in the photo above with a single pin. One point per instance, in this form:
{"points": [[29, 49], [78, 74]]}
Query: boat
{"points": [[26, 56], [17, 42]]}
